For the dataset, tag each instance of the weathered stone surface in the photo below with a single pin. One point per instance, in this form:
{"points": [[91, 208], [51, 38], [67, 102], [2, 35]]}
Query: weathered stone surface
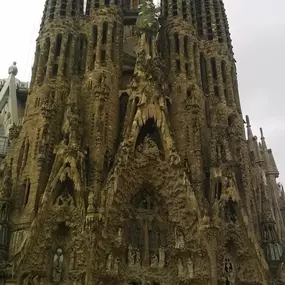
{"points": [[135, 168]]}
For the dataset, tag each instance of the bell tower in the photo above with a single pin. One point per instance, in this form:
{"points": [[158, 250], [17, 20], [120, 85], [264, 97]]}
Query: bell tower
{"points": [[132, 165]]}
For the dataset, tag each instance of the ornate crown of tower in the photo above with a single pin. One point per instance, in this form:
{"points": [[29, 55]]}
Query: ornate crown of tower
{"points": [[132, 166]]}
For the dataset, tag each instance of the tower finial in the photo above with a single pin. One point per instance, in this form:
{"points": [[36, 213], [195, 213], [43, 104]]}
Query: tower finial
{"points": [[247, 121], [261, 133]]}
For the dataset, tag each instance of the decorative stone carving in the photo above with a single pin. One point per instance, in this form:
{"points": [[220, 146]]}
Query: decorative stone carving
{"points": [[131, 256], [154, 260], [120, 235], [57, 266], [180, 268], [179, 239], [190, 268], [109, 262], [161, 263]]}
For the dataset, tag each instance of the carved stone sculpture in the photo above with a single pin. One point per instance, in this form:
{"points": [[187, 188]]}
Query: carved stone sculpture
{"points": [[57, 266]]}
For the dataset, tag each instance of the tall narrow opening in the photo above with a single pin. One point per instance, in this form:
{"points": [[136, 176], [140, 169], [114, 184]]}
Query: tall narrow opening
{"points": [[63, 7], [73, 7], [80, 55], [56, 54], [174, 8], [214, 68], [204, 74], [113, 48], [124, 99], [105, 33], [67, 54], [176, 43], [44, 60], [186, 47], [184, 9], [52, 9], [96, 4]]}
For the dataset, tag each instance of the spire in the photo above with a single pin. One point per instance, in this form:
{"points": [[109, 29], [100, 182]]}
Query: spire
{"points": [[271, 167], [249, 134]]}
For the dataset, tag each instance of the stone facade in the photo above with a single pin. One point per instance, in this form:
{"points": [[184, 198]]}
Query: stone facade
{"points": [[132, 165]]}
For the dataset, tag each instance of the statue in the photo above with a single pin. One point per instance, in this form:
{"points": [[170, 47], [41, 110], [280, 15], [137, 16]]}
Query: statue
{"points": [[161, 263], [264, 179], [120, 235], [72, 260], [154, 261], [179, 239], [138, 258], [109, 262], [116, 265], [57, 265], [13, 69], [131, 256], [190, 268], [180, 268]]}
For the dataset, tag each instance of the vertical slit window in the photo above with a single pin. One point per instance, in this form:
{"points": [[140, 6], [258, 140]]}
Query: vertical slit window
{"points": [[52, 9], [187, 70], [73, 7], [224, 75], [184, 9], [67, 54], [195, 61], [186, 46], [214, 68], [105, 33], [174, 8], [63, 7], [94, 39], [80, 55], [44, 60], [176, 43], [178, 66], [198, 6], [96, 4], [103, 56], [107, 3], [204, 76], [56, 54], [114, 34], [27, 192]]}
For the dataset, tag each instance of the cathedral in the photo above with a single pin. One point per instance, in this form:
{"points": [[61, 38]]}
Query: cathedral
{"points": [[133, 163]]}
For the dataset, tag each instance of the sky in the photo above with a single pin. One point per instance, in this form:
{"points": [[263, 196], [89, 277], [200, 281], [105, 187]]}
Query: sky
{"points": [[258, 34]]}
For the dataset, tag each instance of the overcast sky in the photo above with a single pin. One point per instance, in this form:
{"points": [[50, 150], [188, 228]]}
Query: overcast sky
{"points": [[258, 33]]}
